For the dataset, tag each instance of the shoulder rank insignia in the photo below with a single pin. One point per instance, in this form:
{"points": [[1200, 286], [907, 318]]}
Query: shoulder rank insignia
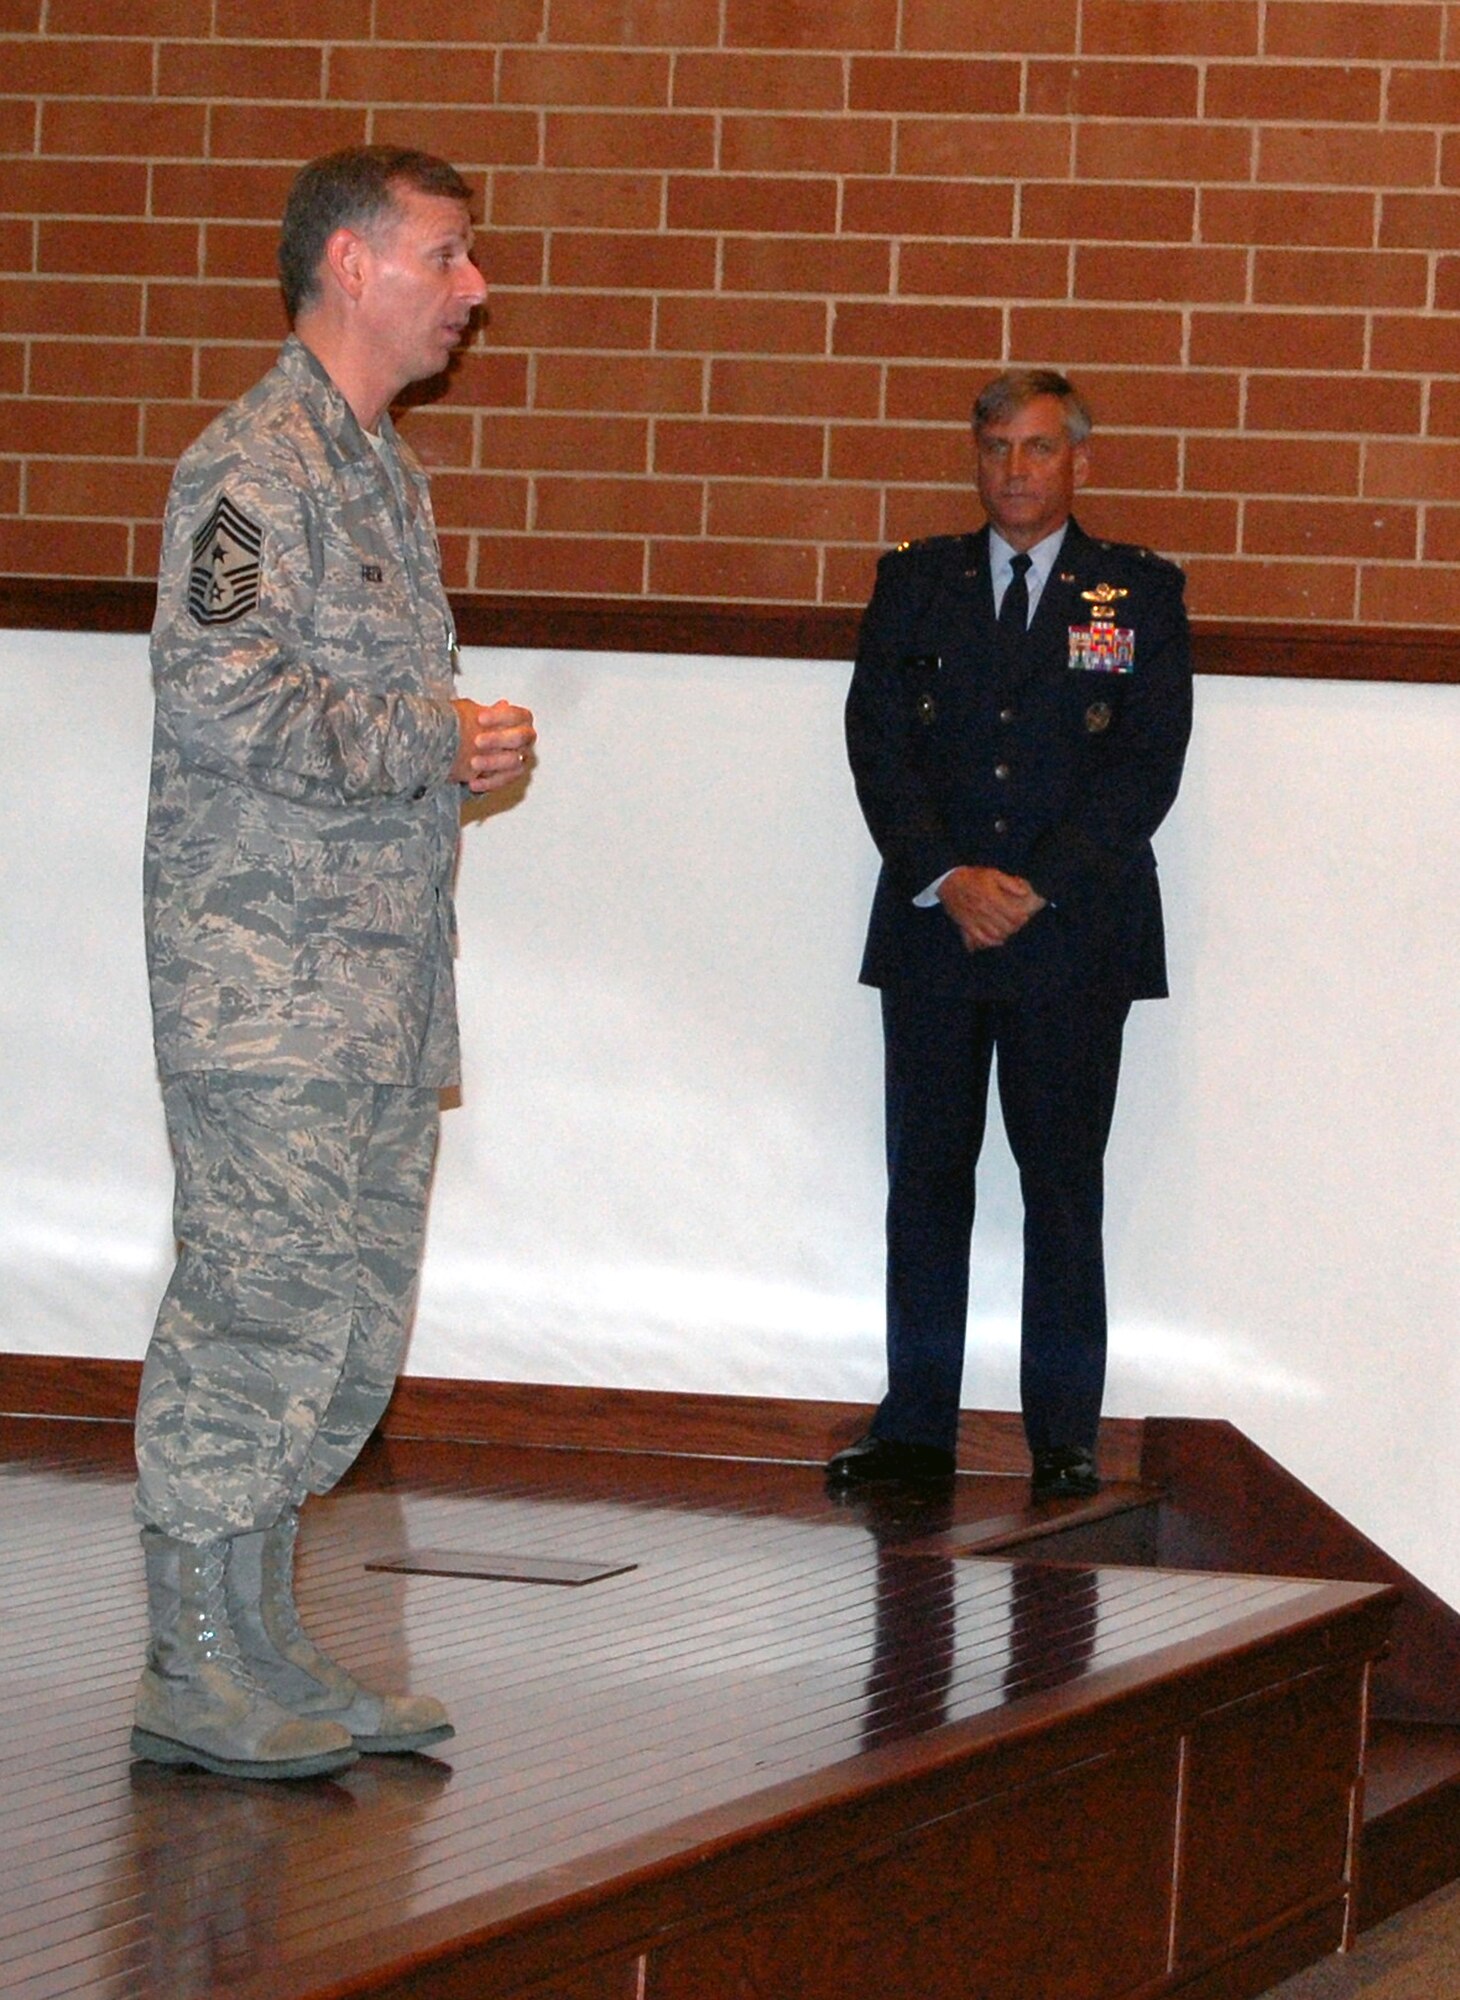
{"points": [[223, 583]]}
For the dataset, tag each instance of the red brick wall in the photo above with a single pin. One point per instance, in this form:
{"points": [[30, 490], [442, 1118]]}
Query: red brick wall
{"points": [[751, 258]]}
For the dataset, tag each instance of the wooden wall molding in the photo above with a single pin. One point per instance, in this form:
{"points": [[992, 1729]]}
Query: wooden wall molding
{"points": [[73, 604], [774, 631], [569, 1417]]}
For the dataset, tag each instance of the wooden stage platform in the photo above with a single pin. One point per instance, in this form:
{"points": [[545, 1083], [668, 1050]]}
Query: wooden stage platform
{"points": [[783, 1749]]}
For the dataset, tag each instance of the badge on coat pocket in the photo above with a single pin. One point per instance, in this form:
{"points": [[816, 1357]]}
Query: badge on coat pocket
{"points": [[923, 667]]}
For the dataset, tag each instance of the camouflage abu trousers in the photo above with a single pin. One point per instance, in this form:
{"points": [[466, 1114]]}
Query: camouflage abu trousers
{"points": [[300, 1217]]}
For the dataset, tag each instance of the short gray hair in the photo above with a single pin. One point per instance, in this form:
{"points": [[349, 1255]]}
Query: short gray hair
{"points": [[1008, 393]]}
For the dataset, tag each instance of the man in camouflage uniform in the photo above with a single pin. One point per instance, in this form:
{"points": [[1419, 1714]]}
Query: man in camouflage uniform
{"points": [[309, 757]]}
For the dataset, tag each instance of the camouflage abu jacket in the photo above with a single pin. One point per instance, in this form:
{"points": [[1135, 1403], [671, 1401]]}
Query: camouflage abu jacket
{"points": [[302, 825]]}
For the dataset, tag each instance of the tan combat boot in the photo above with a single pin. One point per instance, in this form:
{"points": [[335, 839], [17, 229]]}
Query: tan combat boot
{"points": [[197, 1702], [280, 1653]]}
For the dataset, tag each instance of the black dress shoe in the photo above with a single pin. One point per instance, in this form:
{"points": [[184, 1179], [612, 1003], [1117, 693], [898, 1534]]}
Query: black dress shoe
{"points": [[1065, 1472], [872, 1460]]}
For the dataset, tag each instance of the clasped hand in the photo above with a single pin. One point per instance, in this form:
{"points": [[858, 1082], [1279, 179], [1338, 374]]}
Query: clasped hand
{"points": [[987, 905], [493, 743]]}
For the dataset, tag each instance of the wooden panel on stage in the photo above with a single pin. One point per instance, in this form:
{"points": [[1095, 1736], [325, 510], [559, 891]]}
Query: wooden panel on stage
{"points": [[1088, 1916], [1238, 1765], [782, 1755]]}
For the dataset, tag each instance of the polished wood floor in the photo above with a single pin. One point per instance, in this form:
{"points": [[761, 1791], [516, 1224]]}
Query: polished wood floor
{"points": [[755, 1647]]}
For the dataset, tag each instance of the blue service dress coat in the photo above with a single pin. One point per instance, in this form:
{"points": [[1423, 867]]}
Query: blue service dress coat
{"points": [[1055, 760]]}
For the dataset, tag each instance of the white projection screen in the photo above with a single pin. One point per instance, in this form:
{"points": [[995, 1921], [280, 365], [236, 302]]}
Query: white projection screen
{"points": [[665, 1169]]}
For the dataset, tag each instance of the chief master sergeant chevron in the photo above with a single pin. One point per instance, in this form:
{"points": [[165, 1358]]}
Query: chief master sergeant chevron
{"points": [[309, 757], [1017, 723]]}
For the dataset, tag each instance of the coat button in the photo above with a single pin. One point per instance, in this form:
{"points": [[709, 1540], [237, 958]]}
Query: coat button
{"points": [[1001, 826], [420, 792], [1001, 771], [1006, 715]]}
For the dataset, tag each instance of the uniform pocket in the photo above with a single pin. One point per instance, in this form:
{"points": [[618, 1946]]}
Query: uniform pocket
{"points": [[232, 936], [364, 935]]}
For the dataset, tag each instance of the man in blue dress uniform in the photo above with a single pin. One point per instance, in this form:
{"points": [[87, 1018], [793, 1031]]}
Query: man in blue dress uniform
{"points": [[1017, 722]]}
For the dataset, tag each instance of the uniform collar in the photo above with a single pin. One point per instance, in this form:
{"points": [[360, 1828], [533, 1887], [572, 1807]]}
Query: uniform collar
{"points": [[1042, 556], [317, 387]]}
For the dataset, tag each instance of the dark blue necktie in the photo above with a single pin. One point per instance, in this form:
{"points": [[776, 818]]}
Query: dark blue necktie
{"points": [[1014, 610]]}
